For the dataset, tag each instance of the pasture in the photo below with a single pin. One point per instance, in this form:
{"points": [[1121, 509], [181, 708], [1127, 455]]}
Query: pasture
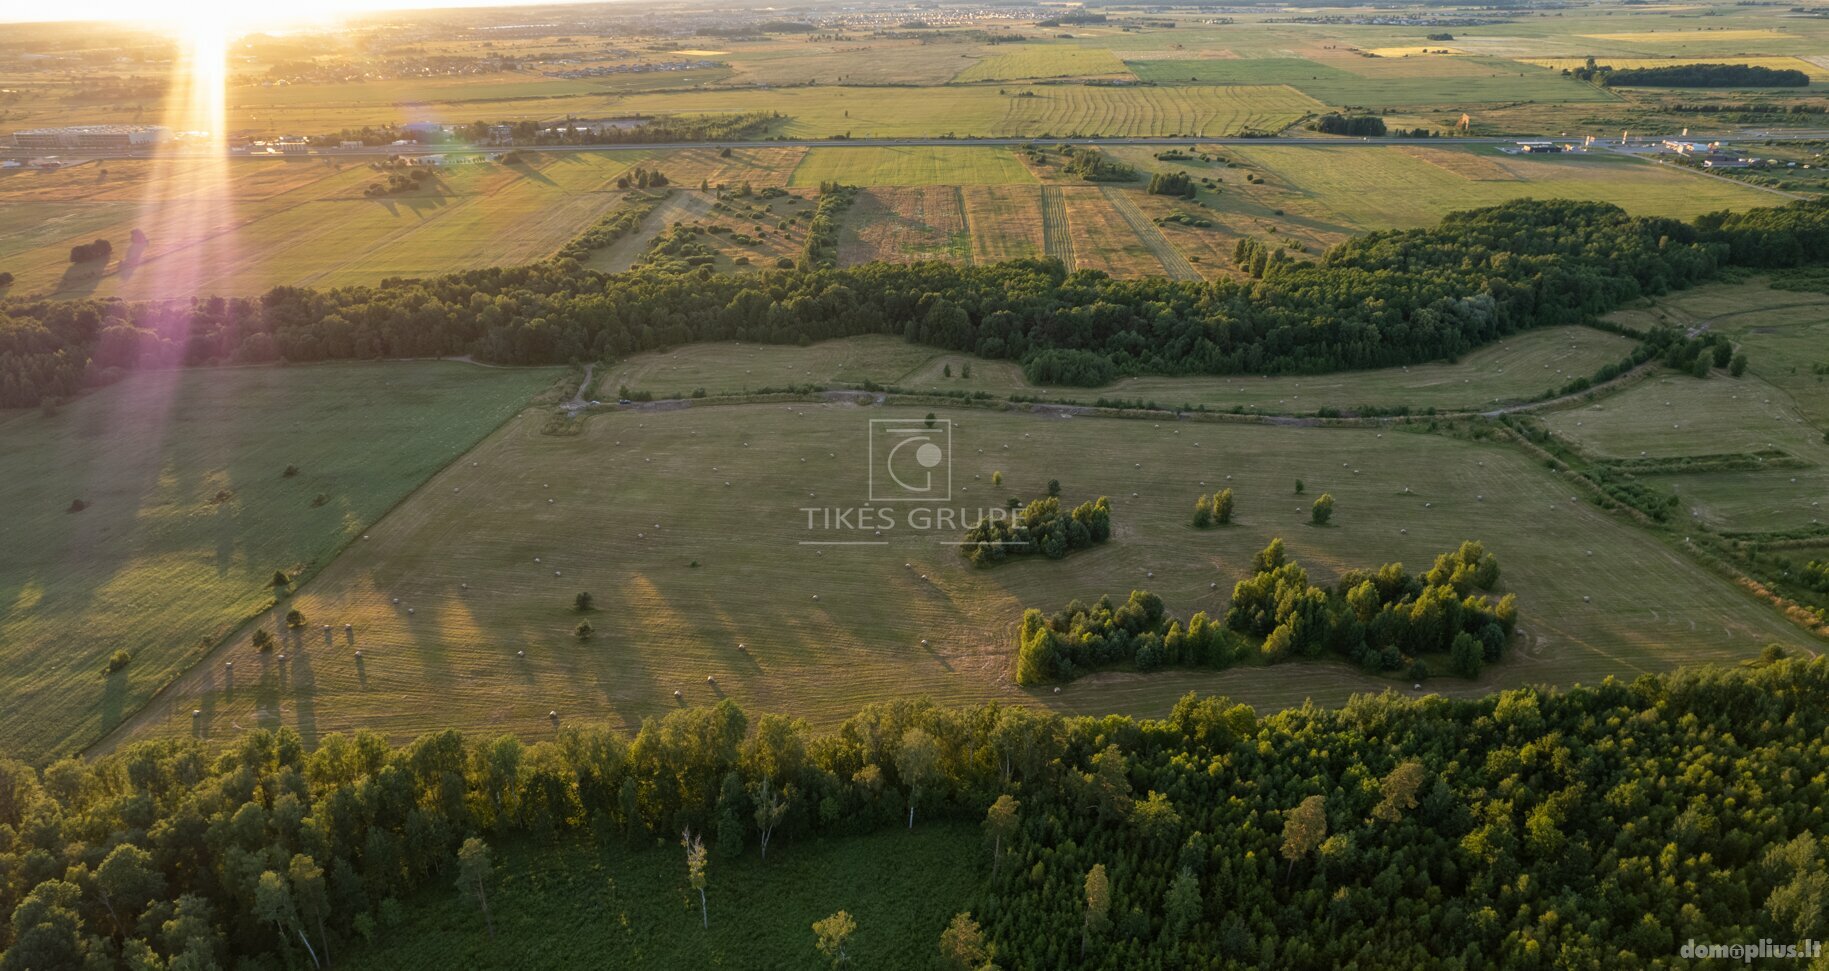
{"points": [[188, 515], [1383, 82], [461, 601], [903, 225]]}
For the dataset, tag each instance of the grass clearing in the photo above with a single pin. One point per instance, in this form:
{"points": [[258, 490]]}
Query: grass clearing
{"points": [[911, 165], [634, 909], [189, 516], [1003, 222], [462, 555]]}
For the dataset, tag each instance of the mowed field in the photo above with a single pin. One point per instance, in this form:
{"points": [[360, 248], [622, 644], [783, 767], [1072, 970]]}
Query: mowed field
{"points": [[243, 225], [189, 515], [689, 525], [1515, 368], [1017, 110], [1382, 81], [911, 165]]}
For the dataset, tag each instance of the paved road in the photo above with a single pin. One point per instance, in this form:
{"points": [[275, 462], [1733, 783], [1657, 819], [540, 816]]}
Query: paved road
{"points": [[382, 151]]}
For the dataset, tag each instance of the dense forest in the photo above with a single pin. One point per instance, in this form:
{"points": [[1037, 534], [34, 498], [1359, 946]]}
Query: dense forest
{"points": [[1706, 76], [1604, 825], [1388, 298]]}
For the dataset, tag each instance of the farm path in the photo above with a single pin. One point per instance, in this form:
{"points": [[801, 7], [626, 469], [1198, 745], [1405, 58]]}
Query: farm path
{"points": [[579, 402], [1175, 264]]}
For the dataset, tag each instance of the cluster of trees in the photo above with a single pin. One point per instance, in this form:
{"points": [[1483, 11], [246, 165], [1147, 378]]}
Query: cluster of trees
{"points": [[400, 180], [642, 178], [1255, 259], [1080, 639], [1213, 510], [99, 250], [1334, 123], [1040, 527], [1380, 300], [820, 251], [1816, 575], [1703, 76], [1179, 184], [1095, 166], [1497, 830], [1380, 619]]}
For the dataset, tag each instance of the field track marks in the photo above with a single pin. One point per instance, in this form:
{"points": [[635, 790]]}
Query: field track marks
{"points": [[965, 219], [1173, 262], [1056, 235]]}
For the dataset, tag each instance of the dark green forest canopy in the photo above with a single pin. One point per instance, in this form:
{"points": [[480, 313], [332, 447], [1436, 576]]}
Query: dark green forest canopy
{"points": [[1601, 825], [1384, 299]]}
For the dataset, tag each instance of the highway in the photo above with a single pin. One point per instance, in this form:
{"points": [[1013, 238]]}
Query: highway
{"points": [[384, 151]]}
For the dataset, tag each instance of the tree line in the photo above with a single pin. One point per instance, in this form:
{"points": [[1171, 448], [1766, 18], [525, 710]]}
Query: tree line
{"points": [[1598, 825], [1380, 300]]}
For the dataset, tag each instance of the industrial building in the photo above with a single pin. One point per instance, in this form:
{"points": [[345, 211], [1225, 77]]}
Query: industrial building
{"points": [[92, 137]]}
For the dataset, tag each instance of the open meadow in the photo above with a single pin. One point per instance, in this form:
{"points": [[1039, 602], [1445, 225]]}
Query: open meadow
{"points": [[1516, 368], [688, 525], [189, 513]]}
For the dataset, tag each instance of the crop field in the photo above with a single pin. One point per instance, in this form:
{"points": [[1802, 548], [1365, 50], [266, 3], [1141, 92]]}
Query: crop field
{"points": [[246, 225], [1038, 110], [1383, 82], [1102, 238], [1513, 369], [904, 225], [633, 908], [1051, 61], [1358, 188], [1003, 222], [911, 165], [188, 515], [461, 601], [761, 167]]}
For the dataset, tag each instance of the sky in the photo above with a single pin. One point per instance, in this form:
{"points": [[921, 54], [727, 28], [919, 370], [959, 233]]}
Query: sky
{"points": [[236, 13]]}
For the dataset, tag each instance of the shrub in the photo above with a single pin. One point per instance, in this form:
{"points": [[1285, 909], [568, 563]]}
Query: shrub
{"points": [[118, 660]]}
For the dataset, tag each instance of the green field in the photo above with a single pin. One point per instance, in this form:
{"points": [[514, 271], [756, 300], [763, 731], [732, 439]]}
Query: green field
{"points": [[910, 165], [633, 909], [1516, 368], [484, 563], [157, 564]]}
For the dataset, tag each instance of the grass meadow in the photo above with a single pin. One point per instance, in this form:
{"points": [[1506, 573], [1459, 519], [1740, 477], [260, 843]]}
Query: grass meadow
{"points": [[689, 525], [906, 165], [189, 515]]}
